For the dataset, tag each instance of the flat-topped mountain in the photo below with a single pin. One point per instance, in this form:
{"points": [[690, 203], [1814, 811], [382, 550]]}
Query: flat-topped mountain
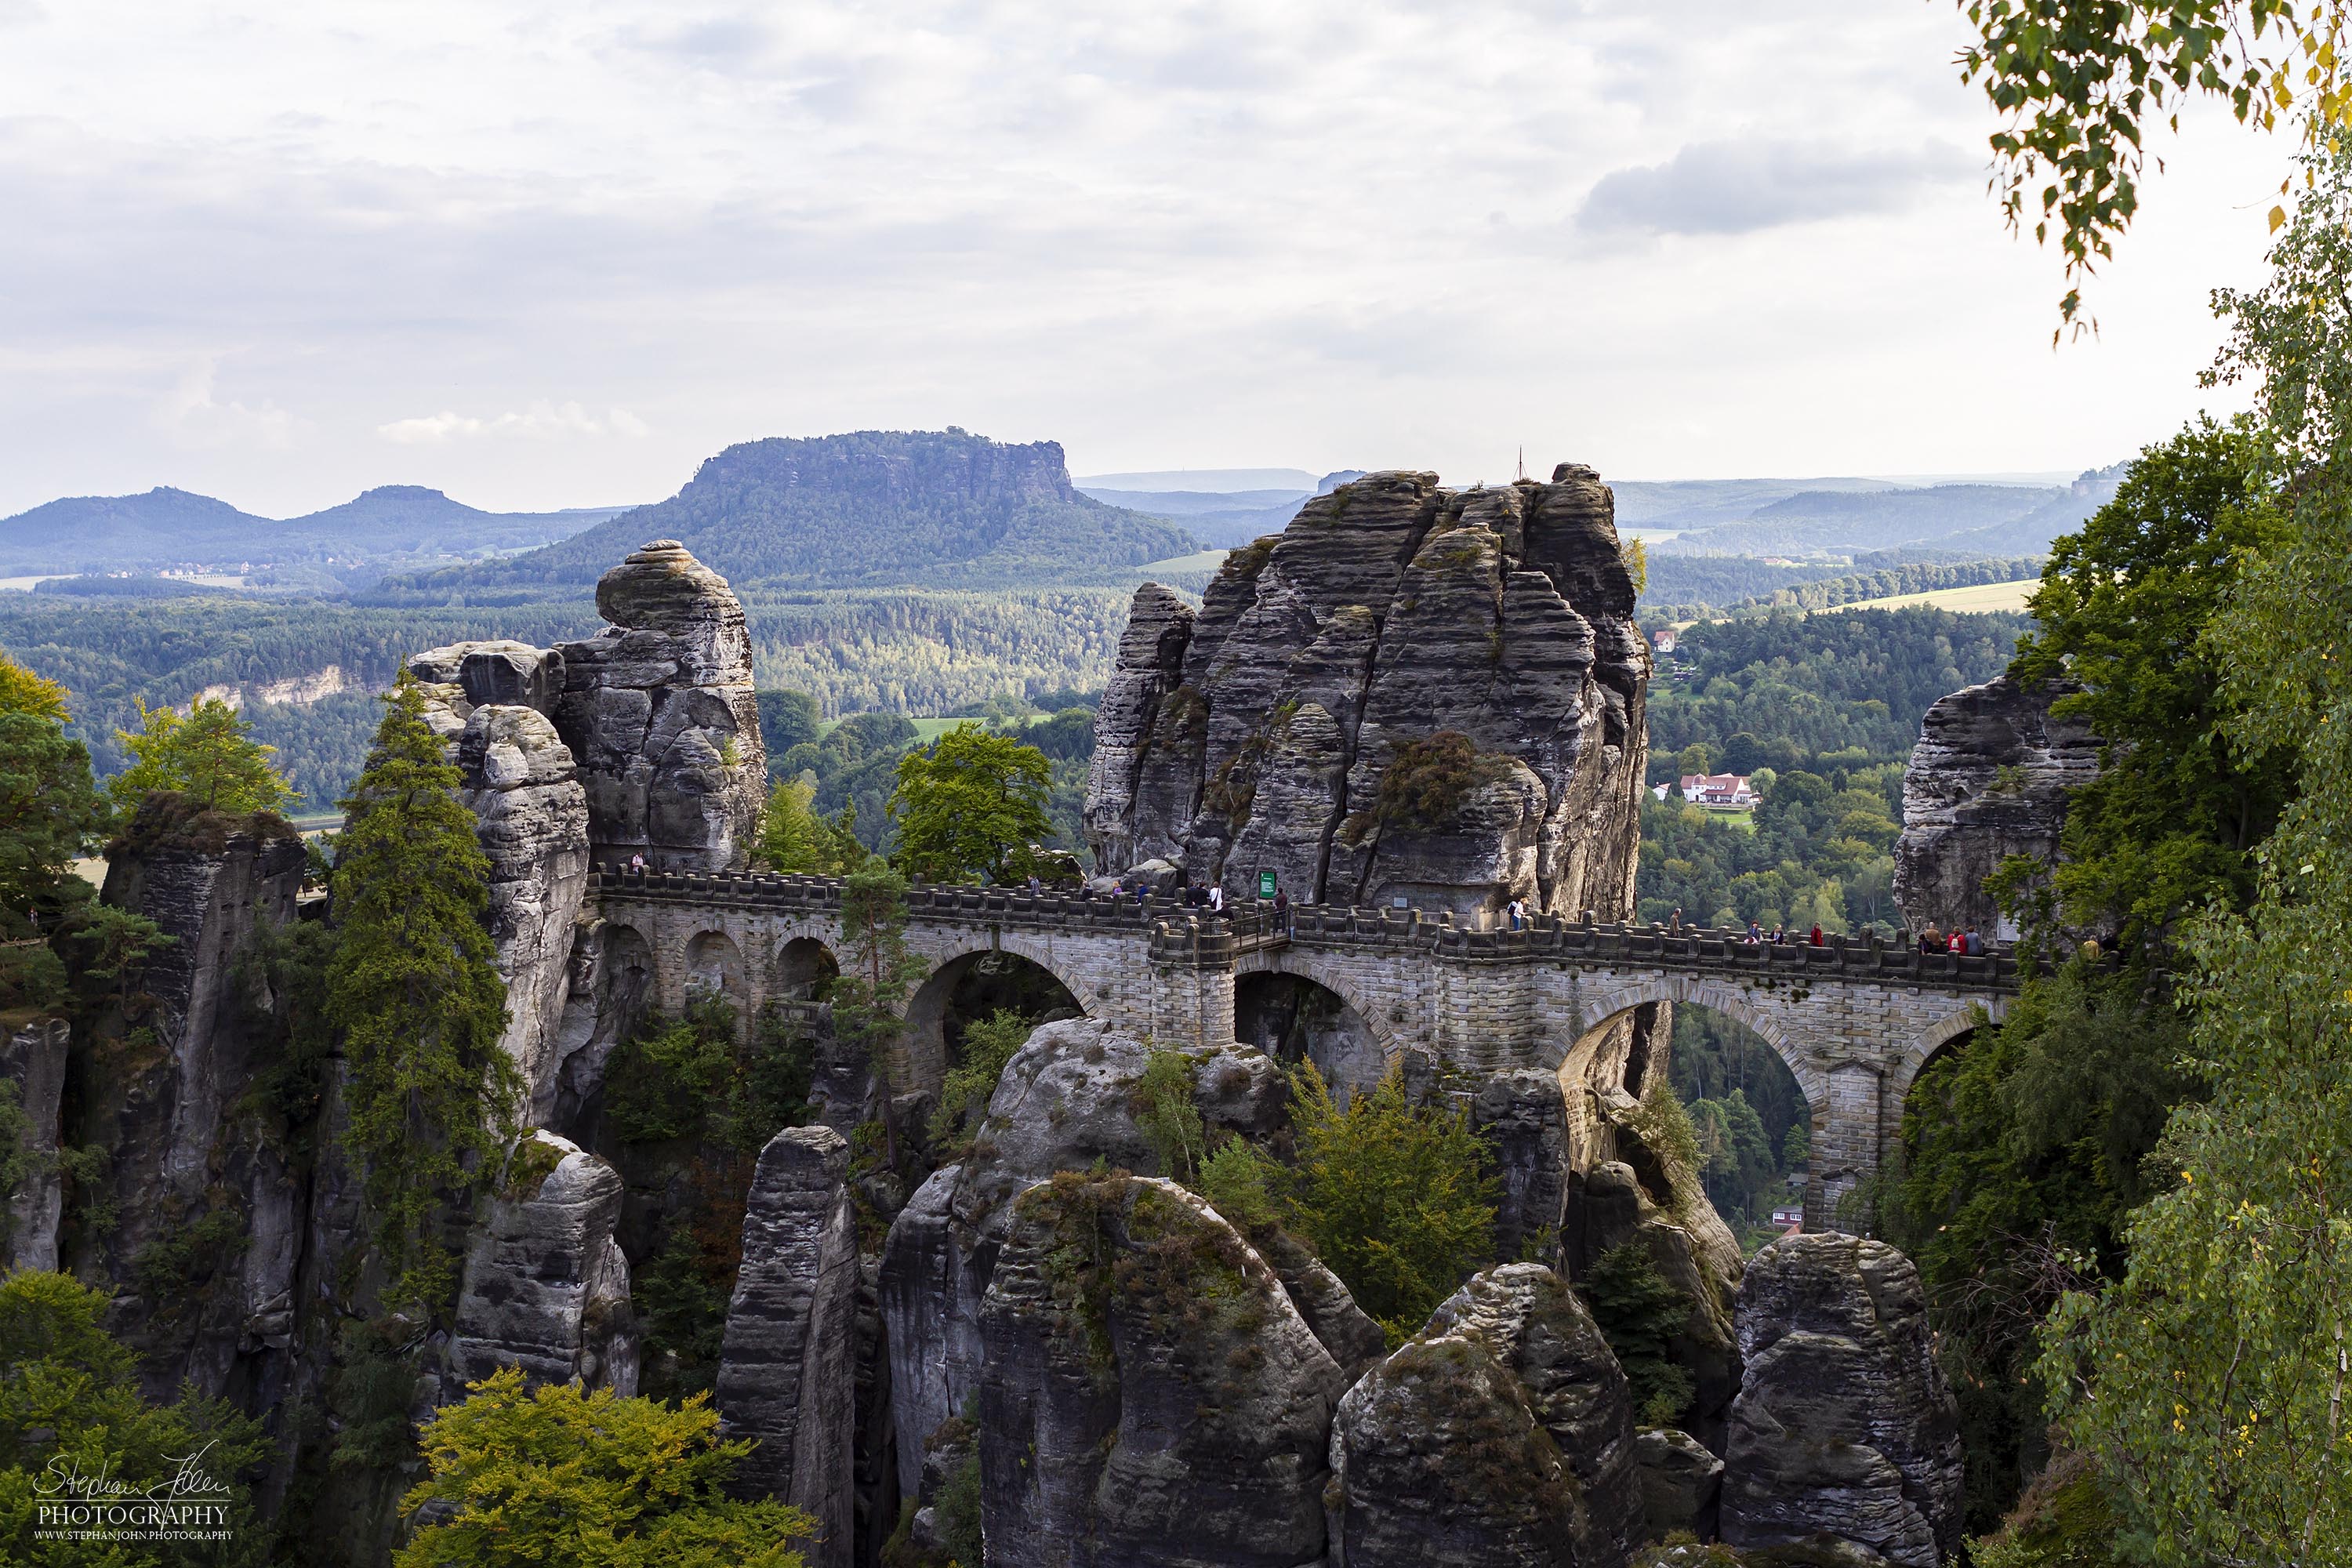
{"points": [[873, 506]]}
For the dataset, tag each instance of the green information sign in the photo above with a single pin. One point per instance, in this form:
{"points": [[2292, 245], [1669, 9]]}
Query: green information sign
{"points": [[1266, 884]]}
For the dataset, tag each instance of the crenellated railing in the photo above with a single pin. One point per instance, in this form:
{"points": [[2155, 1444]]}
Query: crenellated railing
{"points": [[1174, 930]]}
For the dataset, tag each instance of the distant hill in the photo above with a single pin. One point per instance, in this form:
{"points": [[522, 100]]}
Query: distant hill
{"points": [[393, 525], [873, 507], [98, 534], [1222, 519]]}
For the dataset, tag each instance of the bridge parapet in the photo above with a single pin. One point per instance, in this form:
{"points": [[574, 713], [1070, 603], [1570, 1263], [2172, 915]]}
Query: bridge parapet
{"points": [[1162, 923]]}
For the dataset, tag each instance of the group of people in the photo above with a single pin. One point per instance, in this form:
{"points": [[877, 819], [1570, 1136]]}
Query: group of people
{"points": [[1209, 898], [1964, 944]]}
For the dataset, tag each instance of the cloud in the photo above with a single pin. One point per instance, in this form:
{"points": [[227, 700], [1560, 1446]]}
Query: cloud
{"points": [[194, 417], [542, 421], [1740, 187]]}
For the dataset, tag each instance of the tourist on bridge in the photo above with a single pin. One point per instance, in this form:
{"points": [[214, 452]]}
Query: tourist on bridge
{"points": [[1816, 938], [1931, 940], [1976, 944], [1754, 934], [1518, 909], [1217, 898], [1282, 913]]}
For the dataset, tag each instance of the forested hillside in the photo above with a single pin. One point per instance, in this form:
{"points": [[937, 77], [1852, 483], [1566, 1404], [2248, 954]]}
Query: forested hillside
{"points": [[1823, 708]]}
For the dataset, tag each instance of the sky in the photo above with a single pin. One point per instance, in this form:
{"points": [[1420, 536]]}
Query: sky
{"points": [[542, 257]]}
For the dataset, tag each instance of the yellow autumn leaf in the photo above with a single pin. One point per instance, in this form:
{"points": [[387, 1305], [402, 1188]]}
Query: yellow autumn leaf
{"points": [[2278, 219]]}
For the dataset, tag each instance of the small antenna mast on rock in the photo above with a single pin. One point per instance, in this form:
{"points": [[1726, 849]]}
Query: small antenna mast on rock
{"points": [[1523, 462]]}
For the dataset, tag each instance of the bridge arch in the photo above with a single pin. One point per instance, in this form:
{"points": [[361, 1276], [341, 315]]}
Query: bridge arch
{"points": [[1337, 977], [714, 967], [1935, 1039], [927, 1050], [806, 966], [1294, 1017], [1614, 1044], [1604, 1006]]}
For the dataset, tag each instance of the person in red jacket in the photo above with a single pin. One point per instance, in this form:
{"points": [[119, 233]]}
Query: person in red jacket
{"points": [[1816, 938]]}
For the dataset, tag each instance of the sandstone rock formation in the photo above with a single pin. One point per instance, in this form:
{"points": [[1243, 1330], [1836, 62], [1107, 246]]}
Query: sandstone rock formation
{"points": [[1524, 1119], [1612, 1204], [1483, 639], [787, 1372], [642, 741], [1843, 1428], [1063, 1103], [33, 1061], [1150, 1394], [1988, 779], [659, 712], [1500, 1435], [204, 1256], [546, 1288], [1682, 1483]]}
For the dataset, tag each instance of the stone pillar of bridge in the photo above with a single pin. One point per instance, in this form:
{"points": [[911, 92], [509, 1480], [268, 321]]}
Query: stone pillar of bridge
{"points": [[1848, 1120], [1192, 985]]}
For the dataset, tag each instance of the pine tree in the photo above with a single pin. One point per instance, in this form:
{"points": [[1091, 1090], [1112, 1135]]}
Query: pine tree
{"points": [[416, 991], [210, 756]]}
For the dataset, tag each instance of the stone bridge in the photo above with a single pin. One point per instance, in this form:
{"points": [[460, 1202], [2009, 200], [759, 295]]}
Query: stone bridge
{"points": [[1854, 1020]]}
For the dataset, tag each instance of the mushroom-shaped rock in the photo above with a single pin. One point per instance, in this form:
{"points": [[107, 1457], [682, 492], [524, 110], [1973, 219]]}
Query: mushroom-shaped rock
{"points": [[660, 713], [1151, 1399], [1500, 1435], [1845, 1429]]}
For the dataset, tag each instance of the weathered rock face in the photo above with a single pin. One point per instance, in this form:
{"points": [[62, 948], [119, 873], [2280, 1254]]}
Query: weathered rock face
{"points": [[1524, 1119], [1500, 1435], [546, 1288], [1988, 779], [1150, 663], [1843, 1427], [522, 785], [1692, 1251], [490, 702], [659, 712], [33, 1059], [1063, 1104], [203, 1255], [788, 1372], [1682, 1483], [1150, 1396], [1391, 611]]}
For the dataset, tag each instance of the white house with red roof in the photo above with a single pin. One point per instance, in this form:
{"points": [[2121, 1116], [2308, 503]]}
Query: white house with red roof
{"points": [[1722, 791]]}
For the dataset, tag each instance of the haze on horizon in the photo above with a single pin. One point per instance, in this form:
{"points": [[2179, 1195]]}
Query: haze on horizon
{"points": [[542, 258]]}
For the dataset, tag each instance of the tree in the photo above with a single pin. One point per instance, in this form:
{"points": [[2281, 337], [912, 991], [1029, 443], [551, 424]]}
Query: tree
{"points": [[970, 804], [878, 972], [414, 987], [48, 814], [1641, 1315], [793, 838], [70, 1402], [2123, 606], [22, 691], [988, 1045], [210, 756], [788, 718], [554, 1475], [2079, 82], [2209, 1384], [1397, 1199]]}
